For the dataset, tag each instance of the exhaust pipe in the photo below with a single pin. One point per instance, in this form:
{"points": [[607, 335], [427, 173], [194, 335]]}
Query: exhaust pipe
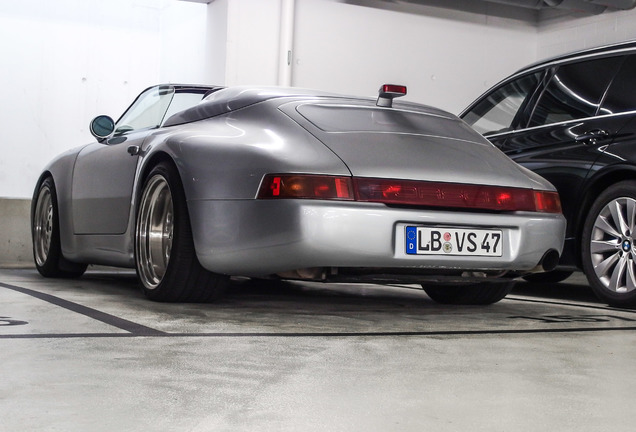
{"points": [[549, 261]]}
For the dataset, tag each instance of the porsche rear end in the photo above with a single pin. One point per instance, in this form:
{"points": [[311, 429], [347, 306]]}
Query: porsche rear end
{"points": [[418, 195]]}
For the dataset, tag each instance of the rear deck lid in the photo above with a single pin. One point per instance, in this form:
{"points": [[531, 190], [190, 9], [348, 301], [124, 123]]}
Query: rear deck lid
{"points": [[408, 141]]}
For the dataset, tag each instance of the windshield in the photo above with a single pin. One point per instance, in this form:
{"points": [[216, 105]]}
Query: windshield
{"points": [[147, 111]]}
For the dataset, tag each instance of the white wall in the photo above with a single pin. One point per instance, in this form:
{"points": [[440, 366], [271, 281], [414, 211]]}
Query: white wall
{"points": [[216, 41], [65, 61], [445, 58], [243, 37], [557, 36], [252, 44]]}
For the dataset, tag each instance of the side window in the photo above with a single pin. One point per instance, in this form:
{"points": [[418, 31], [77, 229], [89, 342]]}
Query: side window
{"points": [[497, 112], [621, 96], [182, 101], [574, 91]]}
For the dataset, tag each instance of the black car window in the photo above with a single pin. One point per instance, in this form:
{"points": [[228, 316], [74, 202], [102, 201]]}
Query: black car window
{"points": [[497, 112], [621, 96], [574, 91]]}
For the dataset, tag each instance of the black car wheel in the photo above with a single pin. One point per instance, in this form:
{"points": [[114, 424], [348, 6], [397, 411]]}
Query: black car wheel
{"points": [[45, 231], [166, 262], [474, 294], [608, 245]]}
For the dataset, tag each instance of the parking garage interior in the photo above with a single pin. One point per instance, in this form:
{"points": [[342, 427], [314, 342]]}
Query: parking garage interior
{"points": [[93, 354]]}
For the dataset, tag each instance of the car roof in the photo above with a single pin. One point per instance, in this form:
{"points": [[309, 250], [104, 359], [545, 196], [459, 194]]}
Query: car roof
{"points": [[223, 100], [628, 46]]}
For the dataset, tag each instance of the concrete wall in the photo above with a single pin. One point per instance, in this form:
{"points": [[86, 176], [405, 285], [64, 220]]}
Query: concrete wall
{"points": [[15, 233]]}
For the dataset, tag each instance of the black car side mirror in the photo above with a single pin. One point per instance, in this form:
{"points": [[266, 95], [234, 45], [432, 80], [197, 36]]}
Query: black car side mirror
{"points": [[102, 127]]}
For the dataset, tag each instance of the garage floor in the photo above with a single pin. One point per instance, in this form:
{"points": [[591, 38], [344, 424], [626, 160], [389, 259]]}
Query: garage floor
{"points": [[93, 355]]}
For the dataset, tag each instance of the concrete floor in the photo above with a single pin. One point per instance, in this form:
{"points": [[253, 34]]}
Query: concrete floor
{"points": [[93, 355]]}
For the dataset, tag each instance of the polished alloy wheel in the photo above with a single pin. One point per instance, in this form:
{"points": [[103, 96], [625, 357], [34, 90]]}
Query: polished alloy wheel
{"points": [[43, 226], [612, 245], [154, 232]]}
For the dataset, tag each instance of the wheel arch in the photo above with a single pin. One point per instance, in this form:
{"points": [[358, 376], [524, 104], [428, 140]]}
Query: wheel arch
{"points": [[593, 188], [45, 174], [153, 160]]}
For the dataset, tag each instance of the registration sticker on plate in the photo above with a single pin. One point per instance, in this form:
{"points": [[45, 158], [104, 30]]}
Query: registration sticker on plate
{"points": [[453, 241]]}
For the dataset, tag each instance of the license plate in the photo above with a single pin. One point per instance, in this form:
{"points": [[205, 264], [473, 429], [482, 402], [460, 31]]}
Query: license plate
{"points": [[453, 241]]}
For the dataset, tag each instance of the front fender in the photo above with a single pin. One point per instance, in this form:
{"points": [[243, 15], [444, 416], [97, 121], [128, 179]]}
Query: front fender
{"points": [[61, 170]]}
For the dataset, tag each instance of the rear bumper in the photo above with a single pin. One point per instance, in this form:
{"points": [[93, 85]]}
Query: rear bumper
{"points": [[262, 237]]}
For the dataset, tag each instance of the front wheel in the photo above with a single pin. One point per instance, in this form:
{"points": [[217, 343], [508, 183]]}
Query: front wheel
{"points": [[45, 232], [166, 262], [483, 293], [608, 250]]}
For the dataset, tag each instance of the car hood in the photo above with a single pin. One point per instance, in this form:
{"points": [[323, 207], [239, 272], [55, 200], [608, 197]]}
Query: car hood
{"points": [[402, 144]]}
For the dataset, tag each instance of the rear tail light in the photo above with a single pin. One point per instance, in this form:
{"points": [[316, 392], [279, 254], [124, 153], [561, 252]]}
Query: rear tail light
{"points": [[306, 186], [411, 193], [547, 202]]}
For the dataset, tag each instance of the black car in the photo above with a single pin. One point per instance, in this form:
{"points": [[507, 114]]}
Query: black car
{"points": [[572, 119]]}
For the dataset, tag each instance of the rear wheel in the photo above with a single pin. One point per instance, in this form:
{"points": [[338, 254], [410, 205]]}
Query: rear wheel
{"points": [[166, 262], [483, 293], [608, 249], [45, 231]]}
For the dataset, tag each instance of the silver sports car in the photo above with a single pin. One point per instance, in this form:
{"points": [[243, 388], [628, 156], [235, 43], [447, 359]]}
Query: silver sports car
{"points": [[194, 184]]}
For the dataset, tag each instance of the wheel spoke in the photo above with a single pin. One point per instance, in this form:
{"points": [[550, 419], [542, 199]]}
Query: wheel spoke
{"points": [[616, 209], [630, 209], [602, 268], [604, 246], [617, 275], [603, 225]]}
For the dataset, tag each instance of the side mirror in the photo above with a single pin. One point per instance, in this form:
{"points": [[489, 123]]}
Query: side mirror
{"points": [[102, 127]]}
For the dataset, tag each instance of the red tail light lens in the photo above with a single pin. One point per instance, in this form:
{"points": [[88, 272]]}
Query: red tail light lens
{"points": [[306, 186], [407, 192], [455, 195], [547, 202]]}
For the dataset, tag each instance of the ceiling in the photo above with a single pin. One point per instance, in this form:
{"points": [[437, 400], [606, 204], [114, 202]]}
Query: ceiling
{"points": [[527, 10]]}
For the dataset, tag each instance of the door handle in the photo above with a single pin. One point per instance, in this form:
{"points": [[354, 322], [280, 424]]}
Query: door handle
{"points": [[133, 150], [591, 137]]}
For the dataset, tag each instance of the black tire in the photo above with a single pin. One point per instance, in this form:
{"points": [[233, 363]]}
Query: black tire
{"points": [[165, 259], [45, 235], [554, 276], [607, 245], [483, 293]]}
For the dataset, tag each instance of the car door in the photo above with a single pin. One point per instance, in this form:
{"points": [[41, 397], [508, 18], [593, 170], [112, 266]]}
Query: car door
{"points": [[102, 185], [104, 172], [619, 109]]}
